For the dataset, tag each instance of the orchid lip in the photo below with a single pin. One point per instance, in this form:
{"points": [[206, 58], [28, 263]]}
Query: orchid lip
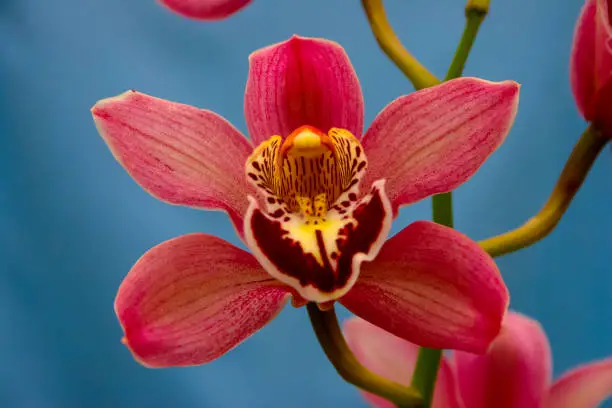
{"points": [[316, 228]]}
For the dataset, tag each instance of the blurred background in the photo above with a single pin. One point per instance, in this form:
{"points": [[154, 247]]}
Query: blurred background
{"points": [[72, 222]]}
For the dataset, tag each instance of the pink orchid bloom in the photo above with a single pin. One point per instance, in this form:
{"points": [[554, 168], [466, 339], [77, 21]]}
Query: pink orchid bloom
{"points": [[292, 192], [205, 9], [591, 64], [514, 373]]}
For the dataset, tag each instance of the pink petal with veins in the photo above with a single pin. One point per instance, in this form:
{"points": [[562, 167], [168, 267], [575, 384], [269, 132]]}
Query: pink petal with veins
{"points": [[191, 299], [432, 286], [178, 153], [301, 81], [433, 140]]}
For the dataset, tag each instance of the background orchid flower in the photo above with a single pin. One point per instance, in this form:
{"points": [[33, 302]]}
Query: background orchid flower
{"points": [[591, 64], [206, 9], [514, 373], [293, 194]]}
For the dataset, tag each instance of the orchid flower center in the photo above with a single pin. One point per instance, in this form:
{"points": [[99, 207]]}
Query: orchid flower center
{"points": [[305, 174], [314, 221]]}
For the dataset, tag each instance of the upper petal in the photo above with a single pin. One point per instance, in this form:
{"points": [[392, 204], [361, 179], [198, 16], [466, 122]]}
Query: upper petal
{"points": [[395, 359], [433, 286], [515, 371], [582, 59], [178, 153], [433, 140], [582, 387], [191, 299], [302, 81], [205, 9]]}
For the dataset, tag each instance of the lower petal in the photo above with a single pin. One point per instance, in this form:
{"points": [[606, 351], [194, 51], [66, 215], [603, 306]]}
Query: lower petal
{"points": [[583, 387], [321, 260], [515, 371], [395, 359], [433, 286], [191, 299], [205, 9]]}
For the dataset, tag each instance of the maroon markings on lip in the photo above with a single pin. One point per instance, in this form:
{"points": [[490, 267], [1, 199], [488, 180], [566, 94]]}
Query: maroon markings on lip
{"points": [[289, 259]]}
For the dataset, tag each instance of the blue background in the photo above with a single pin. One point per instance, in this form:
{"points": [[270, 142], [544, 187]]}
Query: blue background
{"points": [[72, 222]]}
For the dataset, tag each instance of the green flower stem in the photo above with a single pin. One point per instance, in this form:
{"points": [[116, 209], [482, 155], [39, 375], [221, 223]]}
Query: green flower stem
{"points": [[325, 325], [428, 362], [392, 46], [442, 209], [475, 13], [573, 175], [474, 17], [426, 373]]}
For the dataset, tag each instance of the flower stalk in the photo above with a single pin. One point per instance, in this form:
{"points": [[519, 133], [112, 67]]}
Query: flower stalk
{"points": [[393, 47], [428, 362], [590, 144], [325, 325], [475, 13]]}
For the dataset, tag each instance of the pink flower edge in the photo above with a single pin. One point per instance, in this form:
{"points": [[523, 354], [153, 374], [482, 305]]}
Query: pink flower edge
{"points": [[205, 9]]}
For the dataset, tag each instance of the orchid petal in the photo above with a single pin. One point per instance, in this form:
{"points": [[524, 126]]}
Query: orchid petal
{"points": [[302, 81], [178, 153], [191, 299], [205, 9], [395, 359], [515, 371], [583, 387], [432, 286], [582, 60], [603, 73], [591, 63], [433, 140]]}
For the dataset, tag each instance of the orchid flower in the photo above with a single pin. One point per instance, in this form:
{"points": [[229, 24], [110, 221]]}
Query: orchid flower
{"points": [[292, 193], [205, 9], [514, 373], [591, 64]]}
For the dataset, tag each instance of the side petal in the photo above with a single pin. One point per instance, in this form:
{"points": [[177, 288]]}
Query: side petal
{"points": [[583, 387], [515, 371], [178, 153], [395, 359], [433, 140], [205, 9], [301, 81], [191, 299], [433, 286], [582, 60]]}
